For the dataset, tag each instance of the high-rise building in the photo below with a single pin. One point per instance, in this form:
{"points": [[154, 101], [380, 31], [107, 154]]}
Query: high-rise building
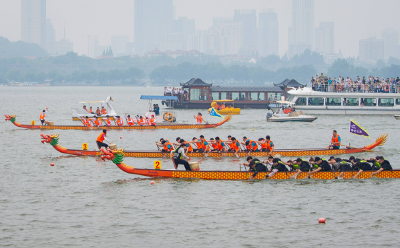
{"points": [[64, 45], [225, 37], [301, 34], [118, 45], [50, 38], [153, 23], [324, 38], [268, 34], [183, 25], [390, 38], [33, 22], [249, 34], [198, 41], [371, 49]]}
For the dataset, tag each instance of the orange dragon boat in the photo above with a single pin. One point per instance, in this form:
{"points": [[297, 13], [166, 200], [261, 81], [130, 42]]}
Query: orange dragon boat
{"points": [[381, 140], [158, 126], [117, 157]]}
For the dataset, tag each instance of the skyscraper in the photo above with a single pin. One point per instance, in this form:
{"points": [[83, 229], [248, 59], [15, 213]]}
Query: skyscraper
{"points": [[50, 38], [249, 20], [153, 23], [268, 33], [33, 22], [324, 38], [301, 34], [390, 38], [225, 36], [371, 49]]}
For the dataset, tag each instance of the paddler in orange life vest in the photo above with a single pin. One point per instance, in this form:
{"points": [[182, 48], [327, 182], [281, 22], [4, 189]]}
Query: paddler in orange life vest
{"points": [[103, 110], [84, 107], [101, 138], [235, 146], [218, 145], [199, 118], [108, 121], [152, 121], [189, 147], [197, 144], [165, 144], [251, 146], [97, 122], [267, 144], [98, 112], [120, 122], [142, 121], [335, 142], [204, 145], [130, 120], [88, 122], [42, 115]]}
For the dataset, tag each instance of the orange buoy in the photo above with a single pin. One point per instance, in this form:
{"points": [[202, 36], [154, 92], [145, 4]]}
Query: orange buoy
{"points": [[152, 182], [322, 220], [120, 137], [52, 164]]}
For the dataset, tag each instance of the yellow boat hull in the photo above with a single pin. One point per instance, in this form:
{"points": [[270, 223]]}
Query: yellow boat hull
{"points": [[227, 111]]}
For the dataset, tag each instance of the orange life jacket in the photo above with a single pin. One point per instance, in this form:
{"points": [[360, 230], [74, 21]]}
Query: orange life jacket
{"points": [[120, 122], [219, 146], [166, 146], [42, 115], [98, 112], [214, 146], [88, 123], [269, 146], [97, 122], [130, 121], [199, 119], [223, 106], [250, 147], [335, 141], [189, 148], [100, 138], [235, 145], [264, 145], [108, 122], [142, 121], [153, 121], [204, 146], [103, 111]]}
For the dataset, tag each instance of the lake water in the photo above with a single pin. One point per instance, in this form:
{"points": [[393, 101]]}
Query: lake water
{"points": [[85, 202]]}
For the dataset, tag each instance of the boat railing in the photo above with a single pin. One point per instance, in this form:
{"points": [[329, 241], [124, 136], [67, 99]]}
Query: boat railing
{"points": [[356, 88]]}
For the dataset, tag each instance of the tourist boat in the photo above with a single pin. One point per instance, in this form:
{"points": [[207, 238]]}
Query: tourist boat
{"points": [[79, 113], [318, 102], [229, 107], [288, 114], [380, 141], [200, 94], [169, 125], [397, 117], [116, 157]]}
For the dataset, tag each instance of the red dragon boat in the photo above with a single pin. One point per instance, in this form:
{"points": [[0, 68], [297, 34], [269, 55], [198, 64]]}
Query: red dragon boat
{"points": [[117, 157], [158, 126], [381, 140]]}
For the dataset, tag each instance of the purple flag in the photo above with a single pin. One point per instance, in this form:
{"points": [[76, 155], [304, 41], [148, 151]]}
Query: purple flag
{"points": [[357, 129]]}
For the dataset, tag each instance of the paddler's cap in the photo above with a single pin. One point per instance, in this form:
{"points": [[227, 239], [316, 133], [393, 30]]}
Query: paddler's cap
{"points": [[152, 115], [317, 159]]}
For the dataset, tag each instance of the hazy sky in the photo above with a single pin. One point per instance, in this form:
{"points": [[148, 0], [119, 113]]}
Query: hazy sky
{"points": [[354, 19]]}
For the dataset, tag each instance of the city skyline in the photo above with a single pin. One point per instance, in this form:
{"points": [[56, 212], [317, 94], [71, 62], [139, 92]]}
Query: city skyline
{"points": [[97, 19]]}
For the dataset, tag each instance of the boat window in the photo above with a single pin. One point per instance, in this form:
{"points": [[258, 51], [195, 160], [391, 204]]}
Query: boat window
{"points": [[301, 101], [368, 101], [289, 97], [242, 96], [316, 101], [333, 101], [274, 96], [234, 96], [215, 96], [398, 101], [386, 102], [255, 96], [198, 94], [350, 101]]}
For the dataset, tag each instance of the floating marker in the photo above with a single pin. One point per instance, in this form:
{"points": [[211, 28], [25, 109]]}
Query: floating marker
{"points": [[152, 182], [322, 220], [120, 137], [52, 164]]}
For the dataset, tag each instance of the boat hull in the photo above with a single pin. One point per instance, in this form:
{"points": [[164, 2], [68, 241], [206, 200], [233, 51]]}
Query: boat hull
{"points": [[287, 119]]}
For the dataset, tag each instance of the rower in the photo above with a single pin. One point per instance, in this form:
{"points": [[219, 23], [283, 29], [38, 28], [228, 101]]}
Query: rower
{"points": [[84, 107], [250, 159], [101, 138], [120, 122], [277, 165], [257, 167], [340, 165], [42, 115], [360, 164], [220, 145], [199, 118], [88, 122], [263, 145], [165, 144], [98, 112], [223, 106], [130, 120], [153, 120], [91, 110], [204, 145], [269, 144], [189, 147], [335, 142], [213, 144], [304, 166], [177, 156], [235, 146], [142, 121], [384, 165], [197, 144], [320, 164], [108, 121], [251, 146], [103, 110], [97, 122]]}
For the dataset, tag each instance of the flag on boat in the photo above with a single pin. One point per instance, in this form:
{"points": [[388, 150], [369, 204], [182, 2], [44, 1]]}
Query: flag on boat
{"points": [[213, 112], [357, 129]]}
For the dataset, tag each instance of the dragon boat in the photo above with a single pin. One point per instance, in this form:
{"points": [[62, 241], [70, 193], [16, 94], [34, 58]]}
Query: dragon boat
{"points": [[12, 118], [116, 156], [381, 140]]}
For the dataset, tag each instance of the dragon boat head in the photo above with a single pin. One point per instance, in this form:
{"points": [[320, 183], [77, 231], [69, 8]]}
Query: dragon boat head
{"points": [[10, 118], [52, 139], [115, 155]]}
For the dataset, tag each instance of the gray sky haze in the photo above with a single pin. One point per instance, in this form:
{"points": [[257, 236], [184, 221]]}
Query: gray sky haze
{"points": [[354, 19]]}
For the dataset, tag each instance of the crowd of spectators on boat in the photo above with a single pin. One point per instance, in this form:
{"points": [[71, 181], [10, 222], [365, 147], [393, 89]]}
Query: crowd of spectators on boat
{"points": [[363, 84], [175, 91]]}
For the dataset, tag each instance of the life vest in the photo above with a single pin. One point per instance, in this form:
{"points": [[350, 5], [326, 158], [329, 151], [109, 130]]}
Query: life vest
{"points": [[204, 146], [166, 146], [108, 122], [296, 166], [100, 138], [199, 119], [264, 145], [335, 140], [84, 122], [42, 115], [97, 122], [235, 145], [223, 106], [189, 147], [268, 144], [88, 123], [153, 121], [376, 163], [130, 121], [214, 146], [176, 154], [98, 112], [142, 121], [220, 147], [120, 122], [103, 111], [251, 147]]}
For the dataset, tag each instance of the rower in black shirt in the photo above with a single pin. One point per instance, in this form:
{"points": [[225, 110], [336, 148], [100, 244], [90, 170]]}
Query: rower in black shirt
{"points": [[321, 165], [340, 165], [249, 160], [304, 167], [360, 165], [384, 165], [256, 166], [277, 165]]}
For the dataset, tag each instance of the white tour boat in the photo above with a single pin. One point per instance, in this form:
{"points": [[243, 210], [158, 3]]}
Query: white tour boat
{"points": [[78, 113], [317, 102], [281, 115]]}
